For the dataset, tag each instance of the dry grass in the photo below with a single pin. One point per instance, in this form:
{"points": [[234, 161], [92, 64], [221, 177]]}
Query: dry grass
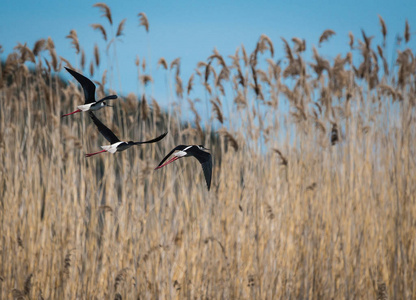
{"points": [[313, 191]]}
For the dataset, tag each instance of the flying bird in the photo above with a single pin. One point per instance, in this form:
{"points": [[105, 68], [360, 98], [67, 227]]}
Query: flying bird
{"points": [[89, 92], [116, 144], [196, 151]]}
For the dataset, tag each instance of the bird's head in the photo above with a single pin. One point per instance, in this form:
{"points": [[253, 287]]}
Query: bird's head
{"points": [[201, 147]]}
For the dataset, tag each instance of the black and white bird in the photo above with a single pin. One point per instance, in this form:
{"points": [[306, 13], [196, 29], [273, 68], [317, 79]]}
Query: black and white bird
{"points": [[89, 92], [196, 151], [116, 144]]}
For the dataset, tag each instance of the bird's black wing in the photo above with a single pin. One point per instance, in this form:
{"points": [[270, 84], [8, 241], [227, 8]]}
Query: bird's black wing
{"points": [[107, 133], [112, 97], [87, 85], [152, 141], [180, 147], [205, 159]]}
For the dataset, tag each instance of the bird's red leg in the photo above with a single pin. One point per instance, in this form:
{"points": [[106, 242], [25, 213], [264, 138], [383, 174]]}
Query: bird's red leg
{"points": [[168, 162], [91, 154], [74, 112]]}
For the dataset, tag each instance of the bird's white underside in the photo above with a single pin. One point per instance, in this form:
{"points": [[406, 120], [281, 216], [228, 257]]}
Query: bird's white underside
{"points": [[111, 148], [85, 107], [181, 153]]}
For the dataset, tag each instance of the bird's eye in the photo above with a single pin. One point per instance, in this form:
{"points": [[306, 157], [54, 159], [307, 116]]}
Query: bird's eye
{"points": [[103, 103]]}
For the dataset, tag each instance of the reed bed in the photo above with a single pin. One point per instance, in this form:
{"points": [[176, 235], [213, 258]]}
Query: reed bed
{"points": [[313, 193]]}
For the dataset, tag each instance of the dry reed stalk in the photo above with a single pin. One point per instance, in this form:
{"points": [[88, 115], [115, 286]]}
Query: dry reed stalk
{"points": [[269, 211], [82, 59], [18, 294], [163, 63], [328, 230], [235, 59], [407, 32], [216, 108], [146, 79], [351, 43], [144, 108], [245, 57], [385, 65], [143, 21], [105, 10], [67, 263], [74, 40], [91, 68], [382, 291], [50, 44], [101, 29], [121, 277], [68, 64], [120, 27], [334, 134], [326, 35], [144, 64], [156, 109], [207, 70], [179, 86], [28, 285], [190, 84], [300, 44], [96, 55], [118, 297], [284, 160], [265, 43], [39, 46], [383, 29], [176, 63], [288, 50], [25, 53]]}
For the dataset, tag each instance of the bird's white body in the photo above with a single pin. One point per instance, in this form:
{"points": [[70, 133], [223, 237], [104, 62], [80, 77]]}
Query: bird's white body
{"points": [[181, 153], [111, 148], [85, 107], [91, 106]]}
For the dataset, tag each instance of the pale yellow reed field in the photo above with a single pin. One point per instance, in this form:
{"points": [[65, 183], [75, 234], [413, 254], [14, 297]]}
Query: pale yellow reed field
{"points": [[290, 215]]}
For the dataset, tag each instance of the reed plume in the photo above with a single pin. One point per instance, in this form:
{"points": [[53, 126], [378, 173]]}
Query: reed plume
{"points": [[105, 10], [39, 46], [96, 55], [407, 32], [163, 63], [326, 35], [143, 21], [383, 29], [74, 40], [120, 28], [101, 29]]}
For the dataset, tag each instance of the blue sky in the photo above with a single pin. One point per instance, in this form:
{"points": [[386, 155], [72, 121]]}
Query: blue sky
{"points": [[192, 29]]}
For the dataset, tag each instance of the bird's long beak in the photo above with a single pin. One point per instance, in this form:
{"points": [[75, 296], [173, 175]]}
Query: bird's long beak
{"points": [[168, 162], [110, 105]]}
